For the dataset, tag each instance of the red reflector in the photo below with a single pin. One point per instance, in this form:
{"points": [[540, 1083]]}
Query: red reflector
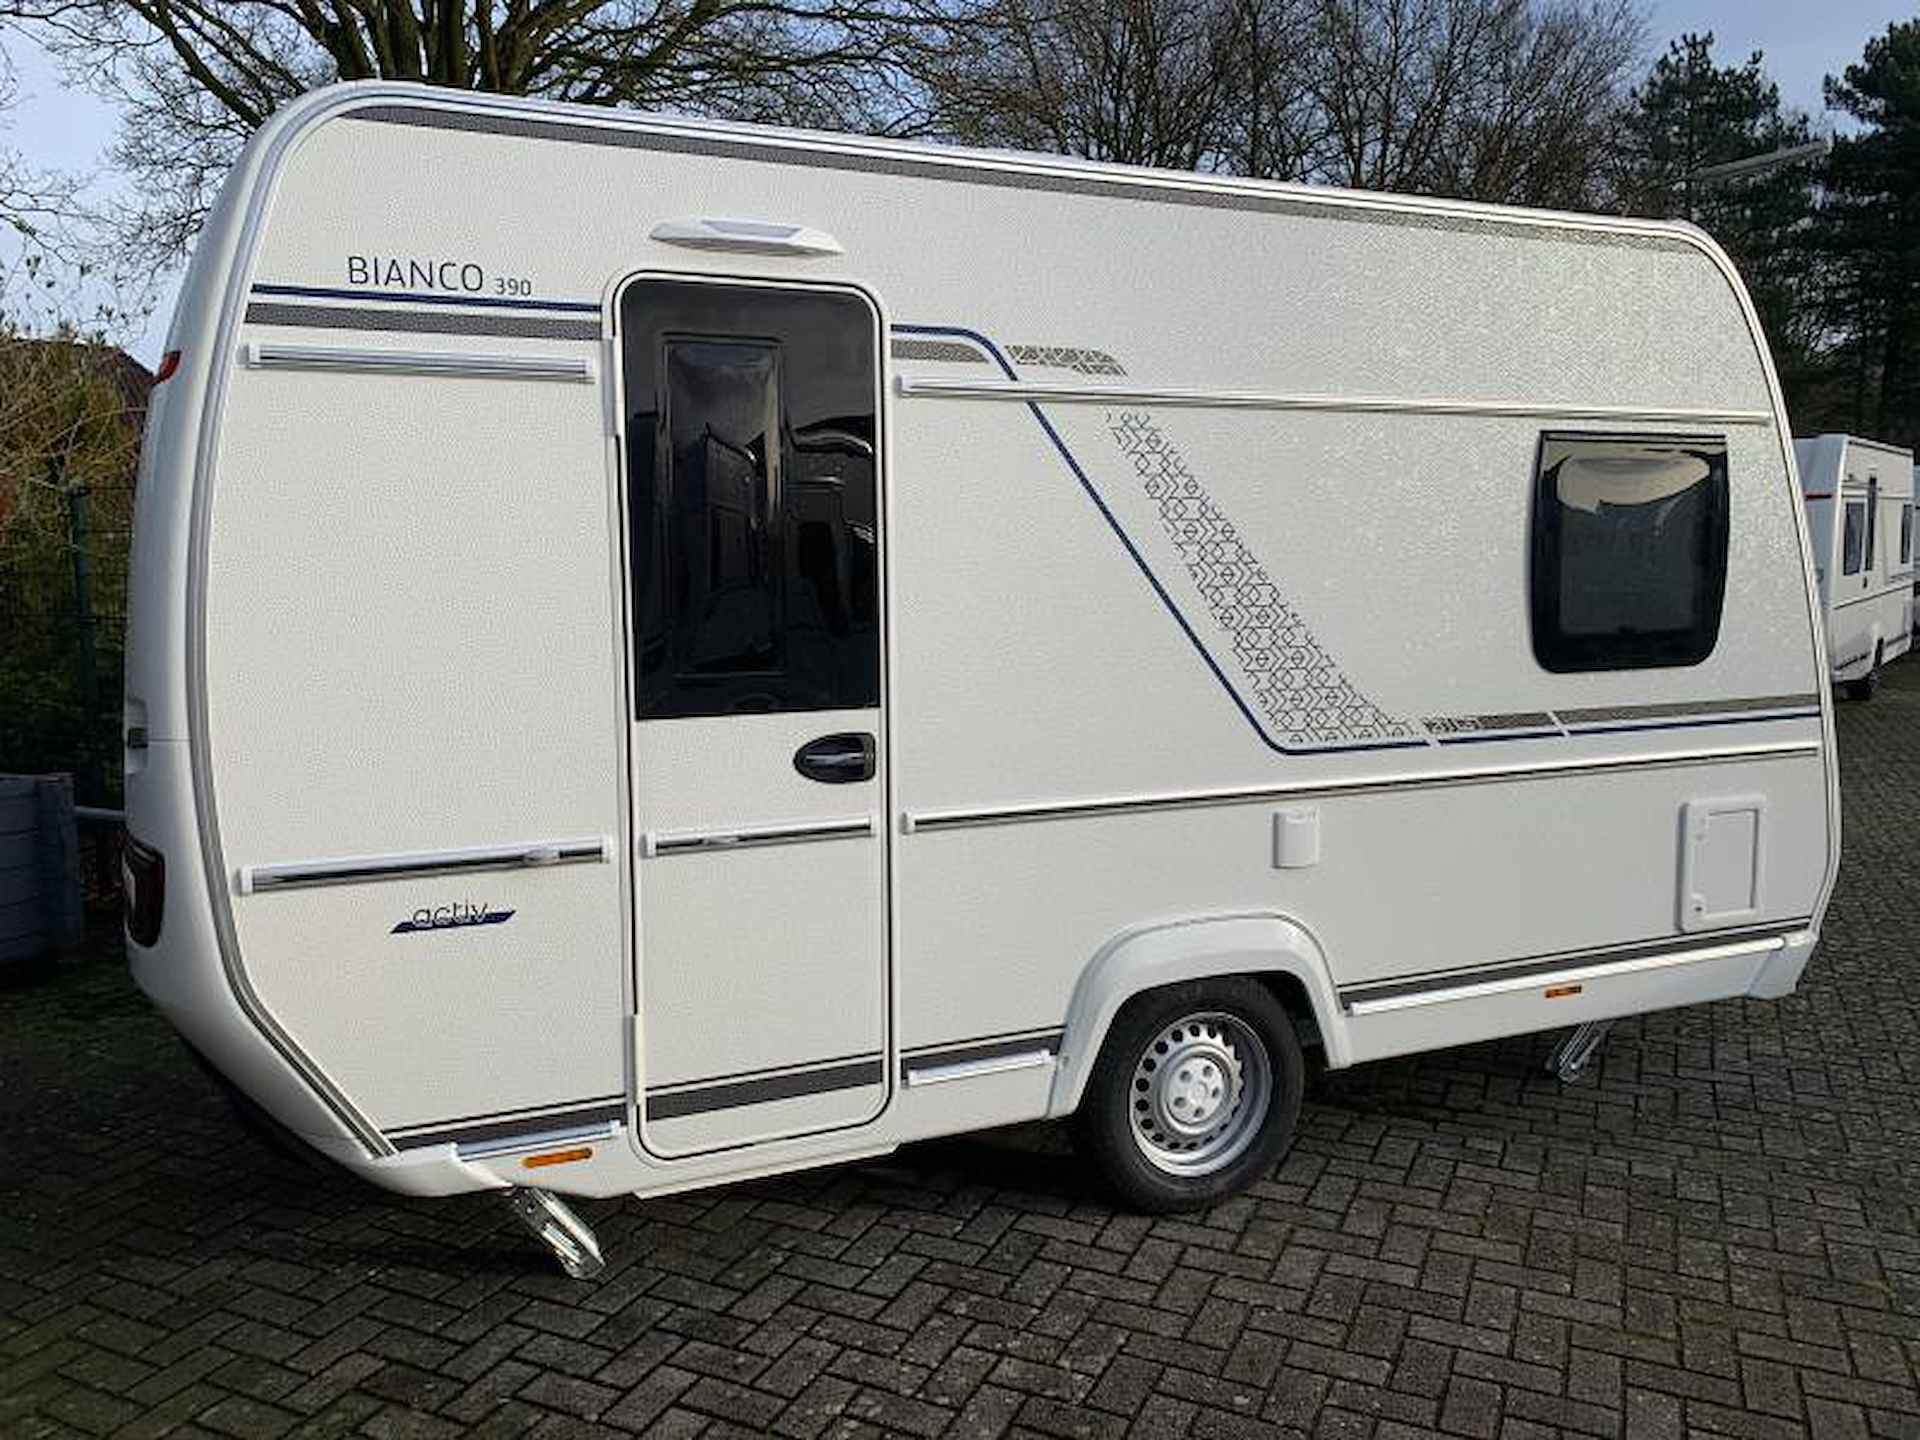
{"points": [[143, 885], [169, 363]]}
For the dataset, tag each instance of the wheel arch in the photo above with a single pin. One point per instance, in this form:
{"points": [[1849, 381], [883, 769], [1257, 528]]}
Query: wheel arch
{"points": [[1272, 948]]}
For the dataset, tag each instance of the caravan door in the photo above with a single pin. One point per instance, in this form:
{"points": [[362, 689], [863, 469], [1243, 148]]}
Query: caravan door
{"points": [[751, 447]]}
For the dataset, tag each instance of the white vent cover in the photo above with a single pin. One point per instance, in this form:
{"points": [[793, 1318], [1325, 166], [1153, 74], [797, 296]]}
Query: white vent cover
{"points": [[761, 237]]}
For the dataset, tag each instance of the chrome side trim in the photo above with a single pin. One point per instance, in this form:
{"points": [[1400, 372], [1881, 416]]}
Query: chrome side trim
{"points": [[917, 821], [1534, 975], [266, 355], [656, 843], [355, 869], [971, 1069], [987, 1047], [1038, 390]]}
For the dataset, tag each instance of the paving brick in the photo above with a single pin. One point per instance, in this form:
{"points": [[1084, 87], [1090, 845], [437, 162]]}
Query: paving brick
{"points": [[1715, 1234]]}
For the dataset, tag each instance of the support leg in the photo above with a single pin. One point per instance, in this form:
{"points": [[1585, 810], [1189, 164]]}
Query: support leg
{"points": [[563, 1232], [1573, 1055]]}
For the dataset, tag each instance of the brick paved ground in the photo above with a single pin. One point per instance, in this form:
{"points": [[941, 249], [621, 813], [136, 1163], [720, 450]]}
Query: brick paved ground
{"points": [[1721, 1235]]}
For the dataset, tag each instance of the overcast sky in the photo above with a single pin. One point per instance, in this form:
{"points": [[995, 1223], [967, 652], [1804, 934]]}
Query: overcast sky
{"points": [[1803, 40]]}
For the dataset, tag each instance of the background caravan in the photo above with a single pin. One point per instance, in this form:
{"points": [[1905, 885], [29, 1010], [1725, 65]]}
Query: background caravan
{"points": [[1860, 519], [669, 651]]}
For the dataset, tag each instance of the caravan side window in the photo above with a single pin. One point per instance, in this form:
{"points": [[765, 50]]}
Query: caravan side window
{"points": [[1853, 537], [1906, 536], [1629, 563]]}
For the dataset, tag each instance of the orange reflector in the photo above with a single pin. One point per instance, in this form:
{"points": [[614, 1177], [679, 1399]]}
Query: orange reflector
{"points": [[558, 1157], [169, 363], [1560, 992]]}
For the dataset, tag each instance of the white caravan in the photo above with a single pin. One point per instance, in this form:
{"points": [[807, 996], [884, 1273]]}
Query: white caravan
{"points": [[1860, 519], [670, 651]]}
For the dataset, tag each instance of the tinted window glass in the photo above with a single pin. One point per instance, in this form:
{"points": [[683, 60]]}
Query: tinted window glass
{"points": [[1853, 537], [1629, 551], [1906, 535], [751, 443]]}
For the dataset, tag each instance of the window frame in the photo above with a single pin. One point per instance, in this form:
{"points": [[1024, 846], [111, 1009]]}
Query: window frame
{"points": [[1561, 653]]}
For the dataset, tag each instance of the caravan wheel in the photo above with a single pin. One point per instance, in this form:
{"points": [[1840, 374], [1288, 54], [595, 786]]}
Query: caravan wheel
{"points": [[1195, 1094], [1865, 687]]}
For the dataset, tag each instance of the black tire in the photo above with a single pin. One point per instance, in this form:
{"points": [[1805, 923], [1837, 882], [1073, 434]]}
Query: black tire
{"points": [[1115, 1126], [1865, 687]]}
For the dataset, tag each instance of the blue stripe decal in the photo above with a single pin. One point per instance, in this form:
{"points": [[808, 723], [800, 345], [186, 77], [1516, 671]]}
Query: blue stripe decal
{"points": [[1498, 739], [416, 926], [413, 298]]}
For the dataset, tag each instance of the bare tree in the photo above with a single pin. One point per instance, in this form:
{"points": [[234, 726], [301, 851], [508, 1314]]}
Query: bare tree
{"points": [[35, 204], [1509, 100], [194, 78], [1546, 104], [1143, 82], [1273, 126]]}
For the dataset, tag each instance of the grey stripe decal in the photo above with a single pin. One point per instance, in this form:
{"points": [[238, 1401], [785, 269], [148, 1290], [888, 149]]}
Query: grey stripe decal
{"points": [[417, 322], [1484, 724], [961, 171], [701, 1098], [538, 1123], [951, 350], [1689, 707], [1566, 960], [958, 1052]]}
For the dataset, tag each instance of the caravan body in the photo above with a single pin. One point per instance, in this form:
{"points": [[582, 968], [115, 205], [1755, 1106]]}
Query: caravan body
{"points": [[1860, 519], [702, 650]]}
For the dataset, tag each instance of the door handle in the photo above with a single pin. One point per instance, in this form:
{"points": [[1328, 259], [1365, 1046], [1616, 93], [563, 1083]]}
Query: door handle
{"points": [[836, 759]]}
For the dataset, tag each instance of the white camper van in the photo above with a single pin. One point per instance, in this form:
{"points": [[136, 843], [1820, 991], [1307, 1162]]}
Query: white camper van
{"points": [[1859, 496], [670, 651]]}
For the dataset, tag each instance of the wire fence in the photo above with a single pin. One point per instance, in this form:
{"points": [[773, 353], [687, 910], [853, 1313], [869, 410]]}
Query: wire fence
{"points": [[65, 649], [70, 419]]}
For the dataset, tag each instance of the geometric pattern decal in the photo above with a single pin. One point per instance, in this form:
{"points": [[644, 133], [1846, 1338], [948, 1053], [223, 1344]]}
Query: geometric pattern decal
{"points": [[1297, 685], [1067, 357]]}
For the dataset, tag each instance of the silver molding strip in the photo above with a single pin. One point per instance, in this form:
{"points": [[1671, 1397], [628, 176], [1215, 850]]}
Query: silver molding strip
{"points": [[656, 843], [914, 822], [1574, 973], [406, 865], [1037, 390], [262, 355], [971, 1069]]}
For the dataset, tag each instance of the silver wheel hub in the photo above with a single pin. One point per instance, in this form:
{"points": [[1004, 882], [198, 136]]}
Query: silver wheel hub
{"points": [[1200, 1093]]}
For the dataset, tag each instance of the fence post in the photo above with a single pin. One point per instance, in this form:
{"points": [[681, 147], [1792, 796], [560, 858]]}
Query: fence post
{"points": [[93, 778]]}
